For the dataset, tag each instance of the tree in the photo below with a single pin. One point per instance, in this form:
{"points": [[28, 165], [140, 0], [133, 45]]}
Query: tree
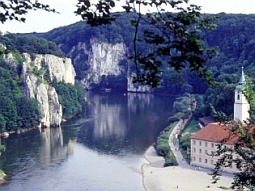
{"points": [[242, 153], [28, 112], [9, 113], [186, 88], [16, 9], [176, 38]]}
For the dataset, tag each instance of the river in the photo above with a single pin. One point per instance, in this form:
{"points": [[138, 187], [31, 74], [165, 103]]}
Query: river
{"points": [[101, 149]]}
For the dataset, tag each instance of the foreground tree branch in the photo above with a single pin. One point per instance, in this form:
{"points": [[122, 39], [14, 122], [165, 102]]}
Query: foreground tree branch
{"points": [[175, 35], [16, 9]]}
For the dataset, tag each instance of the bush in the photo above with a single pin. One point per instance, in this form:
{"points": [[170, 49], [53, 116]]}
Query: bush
{"points": [[170, 160], [162, 148], [173, 119], [185, 142], [2, 148], [71, 98]]}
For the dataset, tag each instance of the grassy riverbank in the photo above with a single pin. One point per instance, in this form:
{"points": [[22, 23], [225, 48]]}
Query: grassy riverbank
{"points": [[163, 148]]}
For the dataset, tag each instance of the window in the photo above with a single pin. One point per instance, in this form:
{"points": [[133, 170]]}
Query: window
{"points": [[206, 144], [194, 158], [206, 152], [212, 145], [194, 142], [205, 160], [200, 143], [238, 97], [194, 149], [212, 162], [200, 160], [200, 150]]}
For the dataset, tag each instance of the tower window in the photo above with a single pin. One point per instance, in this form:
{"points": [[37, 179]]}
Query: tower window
{"points": [[238, 97]]}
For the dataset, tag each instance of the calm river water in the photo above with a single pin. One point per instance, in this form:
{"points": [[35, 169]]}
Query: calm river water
{"points": [[99, 150]]}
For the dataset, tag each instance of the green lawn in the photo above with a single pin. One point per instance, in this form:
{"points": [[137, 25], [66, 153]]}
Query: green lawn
{"points": [[192, 127]]}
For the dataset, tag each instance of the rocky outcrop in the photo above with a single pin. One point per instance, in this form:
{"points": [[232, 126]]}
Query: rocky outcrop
{"points": [[135, 87], [37, 75], [3, 177], [57, 68], [103, 59]]}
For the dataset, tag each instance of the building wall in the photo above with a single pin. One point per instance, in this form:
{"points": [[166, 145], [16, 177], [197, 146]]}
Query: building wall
{"points": [[241, 107], [241, 111], [202, 155]]}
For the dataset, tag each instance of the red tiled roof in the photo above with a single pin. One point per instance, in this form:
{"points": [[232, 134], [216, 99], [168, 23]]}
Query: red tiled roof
{"points": [[214, 132]]}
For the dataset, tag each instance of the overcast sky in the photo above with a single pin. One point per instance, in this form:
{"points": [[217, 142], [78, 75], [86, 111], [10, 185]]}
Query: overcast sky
{"points": [[40, 21]]}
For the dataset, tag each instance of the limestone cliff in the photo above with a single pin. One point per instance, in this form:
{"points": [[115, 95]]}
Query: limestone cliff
{"points": [[103, 59], [38, 72]]}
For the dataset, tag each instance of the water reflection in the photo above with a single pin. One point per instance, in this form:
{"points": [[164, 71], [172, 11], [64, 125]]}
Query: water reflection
{"points": [[101, 149], [107, 120], [31, 151], [139, 102], [123, 123], [52, 147]]}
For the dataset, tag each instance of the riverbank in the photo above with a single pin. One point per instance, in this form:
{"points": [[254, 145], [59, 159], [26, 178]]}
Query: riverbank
{"points": [[7, 133], [182, 177], [159, 178], [3, 177]]}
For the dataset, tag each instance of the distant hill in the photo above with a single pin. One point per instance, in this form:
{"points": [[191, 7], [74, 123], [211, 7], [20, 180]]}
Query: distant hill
{"points": [[234, 37]]}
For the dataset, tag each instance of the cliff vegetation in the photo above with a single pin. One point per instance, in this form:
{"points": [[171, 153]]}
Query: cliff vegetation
{"points": [[233, 36], [28, 83]]}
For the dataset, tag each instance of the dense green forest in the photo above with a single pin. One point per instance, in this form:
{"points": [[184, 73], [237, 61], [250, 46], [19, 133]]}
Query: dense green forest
{"points": [[17, 111], [234, 37], [31, 45], [70, 97], [121, 30]]}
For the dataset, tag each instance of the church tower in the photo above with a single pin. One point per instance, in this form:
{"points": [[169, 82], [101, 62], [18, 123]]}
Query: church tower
{"points": [[241, 106]]}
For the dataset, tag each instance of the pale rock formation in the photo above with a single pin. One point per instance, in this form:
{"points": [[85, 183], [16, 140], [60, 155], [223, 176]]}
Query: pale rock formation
{"points": [[60, 69], [131, 87], [103, 59], [11, 60]]}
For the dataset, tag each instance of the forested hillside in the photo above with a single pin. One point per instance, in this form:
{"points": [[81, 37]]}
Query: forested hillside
{"points": [[234, 37], [17, 111], [31, 45]]}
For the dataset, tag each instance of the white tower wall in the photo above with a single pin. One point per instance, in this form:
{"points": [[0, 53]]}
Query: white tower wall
{"points": [[241, 105]]}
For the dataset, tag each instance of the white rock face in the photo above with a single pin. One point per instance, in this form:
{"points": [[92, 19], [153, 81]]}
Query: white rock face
{"points": [[11, 60], [134, 88], [104, 59], [59, 68]]}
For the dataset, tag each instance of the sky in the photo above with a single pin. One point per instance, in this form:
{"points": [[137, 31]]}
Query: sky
{"points": [[41, 21]]}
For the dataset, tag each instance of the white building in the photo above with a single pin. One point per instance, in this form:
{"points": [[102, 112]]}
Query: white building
{"points": [[241, 106], [203, 143]]}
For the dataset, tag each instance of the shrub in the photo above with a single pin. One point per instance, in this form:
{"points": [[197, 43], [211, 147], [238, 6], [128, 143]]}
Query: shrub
{"points": [[170, 160], [163, 148], [173, 119], [185, 142]]}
